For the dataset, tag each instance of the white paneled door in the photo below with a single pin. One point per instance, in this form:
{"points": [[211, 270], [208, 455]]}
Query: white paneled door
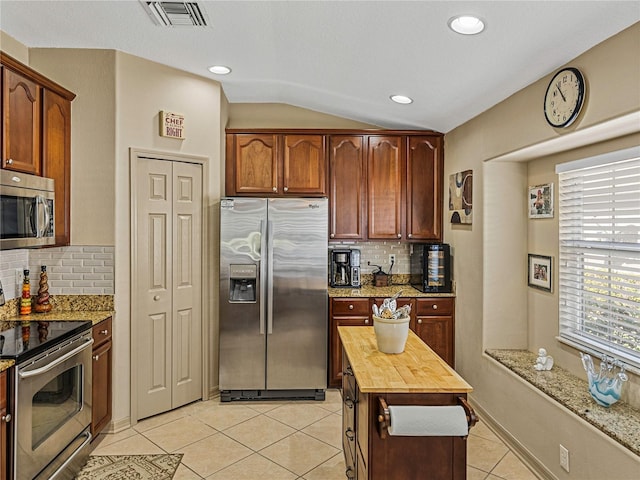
{"points": [[166, 343]]}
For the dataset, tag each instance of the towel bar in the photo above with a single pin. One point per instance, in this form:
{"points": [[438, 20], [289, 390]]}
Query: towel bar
{"points": [[384, 417]]}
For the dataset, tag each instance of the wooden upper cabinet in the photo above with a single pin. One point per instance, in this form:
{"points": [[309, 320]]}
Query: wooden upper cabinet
{"points": [[56, 156], [20, 123], [304, 165], [347, 187], [36, 133], [424, 178], [275, 164], [385, 174], [252, 164]]}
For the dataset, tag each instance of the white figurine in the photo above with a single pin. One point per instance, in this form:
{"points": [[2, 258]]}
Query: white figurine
{"points": [[544, 361]]}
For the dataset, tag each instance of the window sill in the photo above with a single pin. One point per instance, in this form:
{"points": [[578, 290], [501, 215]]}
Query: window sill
{"points": [[620, 421]]}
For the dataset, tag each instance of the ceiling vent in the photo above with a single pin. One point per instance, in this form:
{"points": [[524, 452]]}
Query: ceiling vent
{"points": [[176, 14]]}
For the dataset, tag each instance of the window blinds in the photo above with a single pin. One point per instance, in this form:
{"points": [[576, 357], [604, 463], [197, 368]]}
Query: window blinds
{"points": [[599, 266]]}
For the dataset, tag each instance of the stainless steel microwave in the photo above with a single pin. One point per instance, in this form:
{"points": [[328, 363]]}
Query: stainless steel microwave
{"points": [[26, 210]]}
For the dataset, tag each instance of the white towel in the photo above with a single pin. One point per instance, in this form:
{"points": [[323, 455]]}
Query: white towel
{"points": [[422, 421]]}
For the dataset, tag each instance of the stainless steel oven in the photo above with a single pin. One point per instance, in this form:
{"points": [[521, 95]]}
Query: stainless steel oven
{"points": [[52, 408]]}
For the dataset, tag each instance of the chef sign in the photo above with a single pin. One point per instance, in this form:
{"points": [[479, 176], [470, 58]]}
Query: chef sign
{"points": [[171, 125]]}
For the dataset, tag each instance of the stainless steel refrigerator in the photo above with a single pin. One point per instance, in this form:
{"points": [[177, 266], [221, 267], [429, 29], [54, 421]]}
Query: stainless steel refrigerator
{"points": [[273, 298]]}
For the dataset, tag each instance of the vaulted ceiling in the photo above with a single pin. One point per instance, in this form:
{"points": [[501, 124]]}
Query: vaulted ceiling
{"points": [[343, 58]]}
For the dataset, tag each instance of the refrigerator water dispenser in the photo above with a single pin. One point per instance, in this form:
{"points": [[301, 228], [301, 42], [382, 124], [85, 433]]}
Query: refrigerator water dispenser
{"points": [[243, 283]]}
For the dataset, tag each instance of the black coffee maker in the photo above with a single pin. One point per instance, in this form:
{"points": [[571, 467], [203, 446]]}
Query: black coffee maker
{"points": [[345, 267]]}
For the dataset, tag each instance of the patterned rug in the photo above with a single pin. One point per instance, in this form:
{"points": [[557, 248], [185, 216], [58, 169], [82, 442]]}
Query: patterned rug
{"points": [[130, 467]]}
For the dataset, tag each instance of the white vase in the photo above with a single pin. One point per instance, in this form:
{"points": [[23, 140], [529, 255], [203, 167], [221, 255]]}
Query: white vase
{"points": [[391, 333]]}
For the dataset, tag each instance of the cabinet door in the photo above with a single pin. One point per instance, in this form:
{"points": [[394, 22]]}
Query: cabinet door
{"points": [[304, 165], [21, 123], [56, 159], [251, 164], [350, 312], [385, 172], [347, 187], [424, 178], [437, 332], [3, 425], [101, 390]]}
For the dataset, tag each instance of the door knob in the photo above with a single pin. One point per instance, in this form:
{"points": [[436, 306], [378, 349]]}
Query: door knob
{"points": [[156, 297]]}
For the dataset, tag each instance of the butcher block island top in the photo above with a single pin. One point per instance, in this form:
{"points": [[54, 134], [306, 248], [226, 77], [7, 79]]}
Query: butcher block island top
{"points": [[416, 370]]}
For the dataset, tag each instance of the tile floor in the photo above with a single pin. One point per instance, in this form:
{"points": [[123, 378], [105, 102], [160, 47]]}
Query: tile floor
{"points": [[271, 440]]}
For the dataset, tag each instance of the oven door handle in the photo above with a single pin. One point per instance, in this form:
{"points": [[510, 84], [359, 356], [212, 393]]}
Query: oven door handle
{"points": [[73, 455], [56, 362]]}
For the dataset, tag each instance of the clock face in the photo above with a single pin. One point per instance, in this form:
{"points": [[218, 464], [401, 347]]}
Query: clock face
{"points": [[564, 98]]}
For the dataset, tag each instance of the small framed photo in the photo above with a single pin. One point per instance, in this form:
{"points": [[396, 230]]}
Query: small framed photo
{"points": [[540, 272], [540, 201]]}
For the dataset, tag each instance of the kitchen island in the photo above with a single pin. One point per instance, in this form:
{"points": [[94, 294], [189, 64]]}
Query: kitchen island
{"points": [[373, 381]]}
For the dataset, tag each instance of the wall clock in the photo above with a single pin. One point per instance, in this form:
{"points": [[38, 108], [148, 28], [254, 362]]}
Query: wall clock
{"points": [[564, 97]]}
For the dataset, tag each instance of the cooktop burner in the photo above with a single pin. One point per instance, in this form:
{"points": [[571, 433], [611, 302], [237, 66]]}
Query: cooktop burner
{"points": [[31, 338]]}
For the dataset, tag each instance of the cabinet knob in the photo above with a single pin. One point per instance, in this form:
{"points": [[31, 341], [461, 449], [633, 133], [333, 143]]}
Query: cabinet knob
{"points": [[350, 306], [350, 473], [286, 189], [104, 332], [332, 235], [399, 235], [350, 434], [435, 307], [6, 418], [366, 321], [409, 235], [275, 189], [96, 357], [9, 161], [420, 320], [156, 297]]}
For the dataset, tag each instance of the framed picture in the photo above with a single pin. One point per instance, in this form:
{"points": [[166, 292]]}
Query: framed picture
{"points": [[540, 272], [540, 201]]}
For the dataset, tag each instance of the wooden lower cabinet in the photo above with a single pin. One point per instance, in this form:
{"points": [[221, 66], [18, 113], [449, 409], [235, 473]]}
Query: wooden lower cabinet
{"points": [[102, 376], [350, 312], [434, 324], [4, 419], [432, 319]]}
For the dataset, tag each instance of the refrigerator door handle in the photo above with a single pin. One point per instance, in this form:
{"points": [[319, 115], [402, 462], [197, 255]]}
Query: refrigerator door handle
{"points": [[269, 277], [263, 273]]}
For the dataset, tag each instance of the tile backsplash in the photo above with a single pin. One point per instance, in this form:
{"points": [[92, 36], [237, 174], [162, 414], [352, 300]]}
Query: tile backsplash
{"points": [[74, 270], [378, 254]]}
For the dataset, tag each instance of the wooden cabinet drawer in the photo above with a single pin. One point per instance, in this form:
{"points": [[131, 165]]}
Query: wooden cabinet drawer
{"points": [[102, 332], [350, 306], [434, 306]]}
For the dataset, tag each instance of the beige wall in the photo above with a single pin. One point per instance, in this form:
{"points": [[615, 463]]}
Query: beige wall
{"points": [[278, 115], [118, 101], [493, 301], [13, 48], [90, 75]]}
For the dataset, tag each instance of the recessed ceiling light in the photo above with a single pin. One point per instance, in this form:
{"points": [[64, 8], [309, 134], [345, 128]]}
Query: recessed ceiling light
{"points": [[220, 70], [466, 24], [404, 100]]}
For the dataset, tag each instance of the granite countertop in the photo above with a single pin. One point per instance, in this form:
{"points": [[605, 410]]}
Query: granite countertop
{"points": [[620, 421], [6, 364], [385, 292], [94, 316], [416, 370]]}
